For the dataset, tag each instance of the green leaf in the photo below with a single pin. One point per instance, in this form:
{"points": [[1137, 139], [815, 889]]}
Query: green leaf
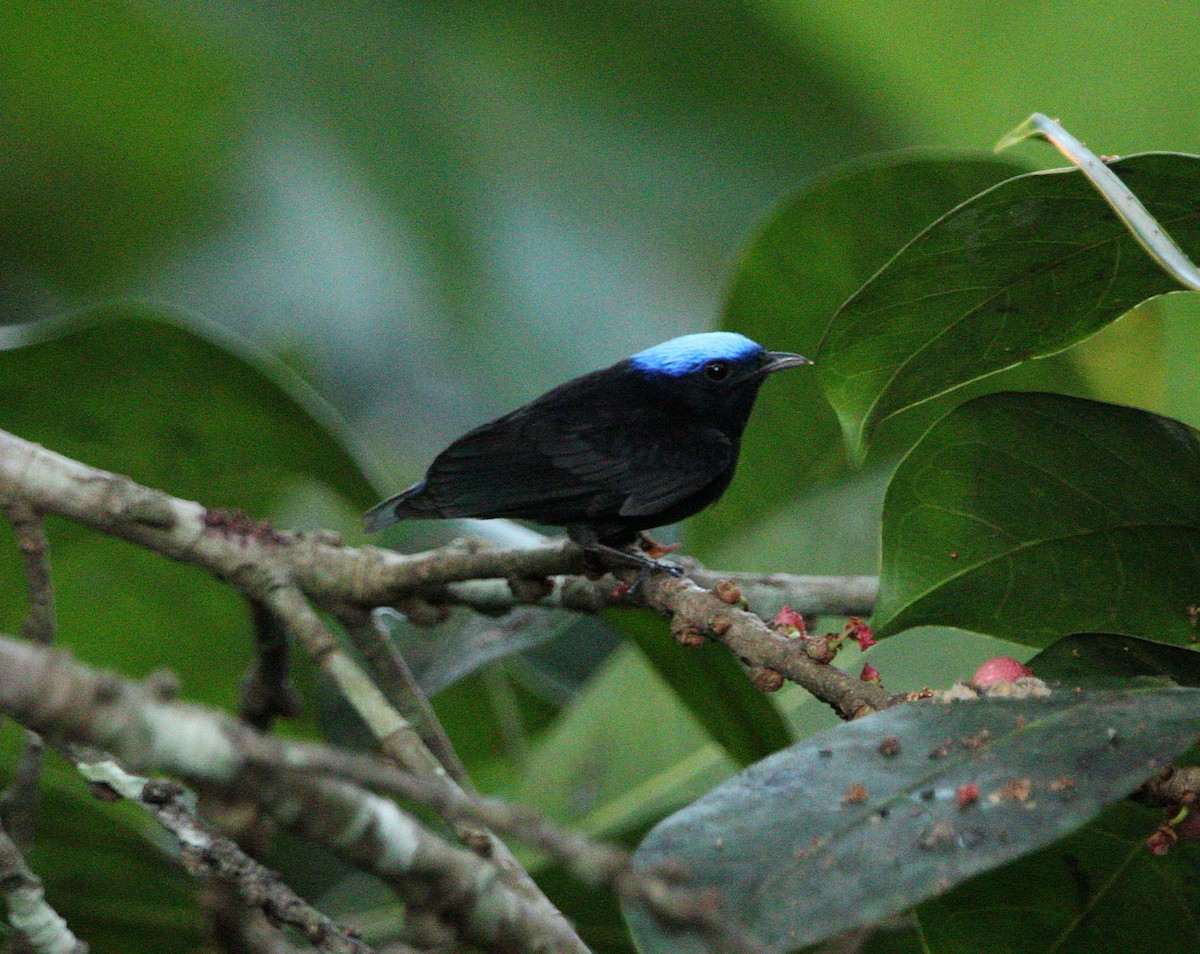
{"points": [[713, 685], [1027, 516], [594, 912], [623, 753], [1150, 234], [1099, 889], [835, 832], [1084, 656], [1024, 270], [810, 255], [128, 390]]}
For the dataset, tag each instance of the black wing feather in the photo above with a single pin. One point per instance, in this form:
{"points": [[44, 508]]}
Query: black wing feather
{"points": [[594, 447]]}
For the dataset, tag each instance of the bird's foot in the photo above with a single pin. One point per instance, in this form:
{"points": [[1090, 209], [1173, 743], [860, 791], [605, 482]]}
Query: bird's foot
{"points": [[644, 563], [653, 549]]}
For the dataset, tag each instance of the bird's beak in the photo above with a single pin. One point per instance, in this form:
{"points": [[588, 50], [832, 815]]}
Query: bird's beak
{"points": [[778, 360]]}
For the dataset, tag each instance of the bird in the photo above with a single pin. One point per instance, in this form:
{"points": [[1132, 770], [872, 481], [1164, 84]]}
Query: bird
{"points": [[643, 443]]}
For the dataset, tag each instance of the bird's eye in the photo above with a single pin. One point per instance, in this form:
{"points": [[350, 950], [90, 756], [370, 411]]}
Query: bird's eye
{"points": [[716, 370]]}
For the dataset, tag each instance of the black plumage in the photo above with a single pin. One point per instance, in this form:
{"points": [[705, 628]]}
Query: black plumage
{"points": [[646, 442]]}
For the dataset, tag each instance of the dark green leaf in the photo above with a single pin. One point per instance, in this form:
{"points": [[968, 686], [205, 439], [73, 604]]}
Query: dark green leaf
{"points": [[810, 256], [595, 913], [1027, 516], [1024, 270], [835, 832], [1084, 656], [129, 391], [1099, 889], [622, 755], [713, 685]]}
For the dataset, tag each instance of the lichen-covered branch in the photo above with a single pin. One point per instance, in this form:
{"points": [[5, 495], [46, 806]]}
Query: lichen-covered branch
{"points": [[28, 911], [48, 692], [327, 796], [206, 853]]}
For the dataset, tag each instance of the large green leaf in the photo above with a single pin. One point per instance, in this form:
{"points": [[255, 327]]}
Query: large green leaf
{"points": [[129, 390], [1027, 516], [870, 818], [810, 255], [713, 685], [1024, 270], [1099, 889], [626, 752], [623, 753], [1088, 656]]}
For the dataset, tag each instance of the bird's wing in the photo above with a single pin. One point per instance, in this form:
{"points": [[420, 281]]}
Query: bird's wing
{"points": [[638, 463], [591, 448], [496, 470]]}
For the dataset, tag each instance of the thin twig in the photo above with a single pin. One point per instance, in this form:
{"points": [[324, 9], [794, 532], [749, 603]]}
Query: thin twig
{"points": [[1148, 232], [28, 912], [19, 802], [395, 679], [267, 691], [39, 624], [207, 854]]}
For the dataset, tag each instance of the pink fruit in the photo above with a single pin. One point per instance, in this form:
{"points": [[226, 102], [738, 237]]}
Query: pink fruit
{"points": [[1000, 669]]}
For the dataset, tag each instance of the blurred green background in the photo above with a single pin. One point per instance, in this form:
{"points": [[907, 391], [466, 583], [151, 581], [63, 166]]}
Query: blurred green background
{"points": [[436, 210], [417, 215]]}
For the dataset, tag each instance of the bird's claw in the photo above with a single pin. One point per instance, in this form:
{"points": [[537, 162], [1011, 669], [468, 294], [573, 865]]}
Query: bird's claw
{"points": [[653, 549], [646, 565]]}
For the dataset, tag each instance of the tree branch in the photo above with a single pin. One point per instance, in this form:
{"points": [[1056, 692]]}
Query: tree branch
{"points": [[19, 802], [391, 673], [28, 912], [701, 611], [39, 624], [49, 693], [209, 854], [267, 691], [305, 787], [259, 559]]}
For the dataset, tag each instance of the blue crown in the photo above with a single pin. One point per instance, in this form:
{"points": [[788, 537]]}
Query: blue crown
{"points": [[690, 353]]}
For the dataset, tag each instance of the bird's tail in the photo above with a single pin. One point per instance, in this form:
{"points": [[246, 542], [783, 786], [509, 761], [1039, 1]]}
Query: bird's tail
{"points": [[407, 503]]}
